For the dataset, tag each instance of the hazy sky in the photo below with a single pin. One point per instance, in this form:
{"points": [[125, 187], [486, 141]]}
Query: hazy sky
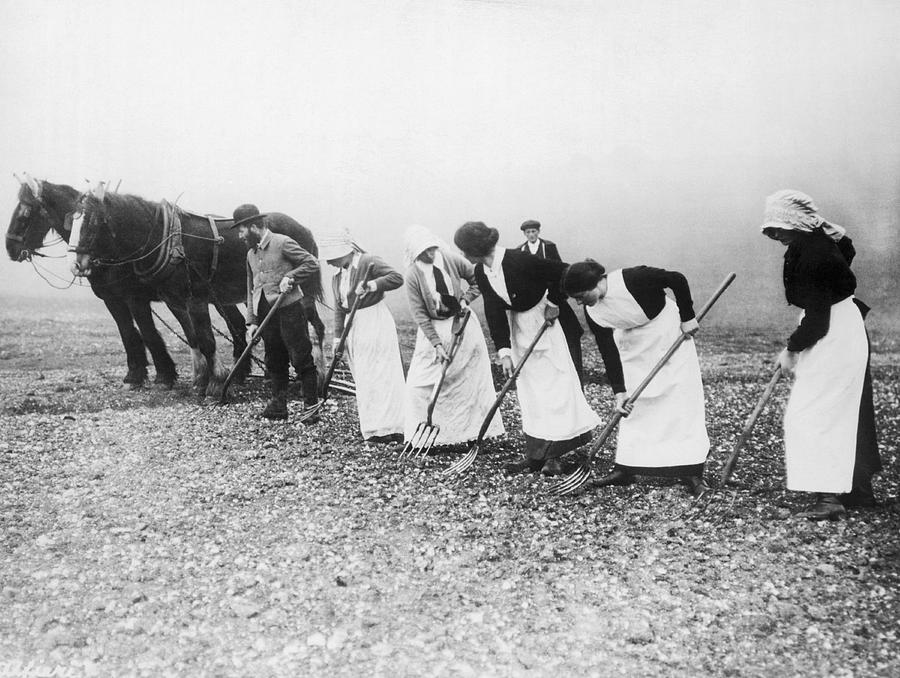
{"points": [[637, 132]]}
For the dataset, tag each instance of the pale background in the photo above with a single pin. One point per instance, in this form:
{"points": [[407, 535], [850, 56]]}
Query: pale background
{"points": [[639, 132]]}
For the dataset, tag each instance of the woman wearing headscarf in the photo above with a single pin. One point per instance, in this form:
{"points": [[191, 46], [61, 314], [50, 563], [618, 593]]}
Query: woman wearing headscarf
{"points": [[634, 322], [372, 349], [520, 293], [829, 423], [434, 287]]}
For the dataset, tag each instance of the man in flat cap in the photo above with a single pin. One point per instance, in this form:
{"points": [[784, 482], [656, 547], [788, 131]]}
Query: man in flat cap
{"points": [[277, 265], [546, 249], [536, 245]]}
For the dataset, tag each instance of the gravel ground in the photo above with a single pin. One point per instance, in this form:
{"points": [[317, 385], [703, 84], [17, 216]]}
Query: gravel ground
{"points": [[147, 534]]}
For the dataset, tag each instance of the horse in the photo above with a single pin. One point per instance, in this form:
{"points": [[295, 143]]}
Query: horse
{"points": [[191, 260], [43, 207]]}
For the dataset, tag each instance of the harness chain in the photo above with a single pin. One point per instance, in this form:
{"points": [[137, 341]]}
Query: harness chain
{"points": [[215, 329]]}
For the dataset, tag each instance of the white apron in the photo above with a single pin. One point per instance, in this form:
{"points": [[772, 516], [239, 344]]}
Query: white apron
{"points": [[667, 426], [374, 358], [468, 390], [822, 413], [553, 405]]}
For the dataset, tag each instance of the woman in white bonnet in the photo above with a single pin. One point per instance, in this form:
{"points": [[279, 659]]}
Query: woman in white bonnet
{"points": [[829, 423], [373, 352], [440, 285]]}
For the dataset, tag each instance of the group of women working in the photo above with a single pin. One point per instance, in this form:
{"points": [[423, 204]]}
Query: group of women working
{"points": [[829, 425]]}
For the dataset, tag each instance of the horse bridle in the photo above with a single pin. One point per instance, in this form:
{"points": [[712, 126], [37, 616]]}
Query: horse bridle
{"points": [[90, 218], [23, 210]]}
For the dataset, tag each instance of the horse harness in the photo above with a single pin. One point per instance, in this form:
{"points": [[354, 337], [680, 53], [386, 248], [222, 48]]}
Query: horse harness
{"points": [[171, 253]]}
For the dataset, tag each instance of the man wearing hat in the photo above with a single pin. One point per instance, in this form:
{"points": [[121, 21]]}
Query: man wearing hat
{"points": [[536, 245], [276, 266], [545, 249]]}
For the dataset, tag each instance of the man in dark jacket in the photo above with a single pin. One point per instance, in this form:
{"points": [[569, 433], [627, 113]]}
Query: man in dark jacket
{"points": [[536, 245], [276, 266], [568, 321]]}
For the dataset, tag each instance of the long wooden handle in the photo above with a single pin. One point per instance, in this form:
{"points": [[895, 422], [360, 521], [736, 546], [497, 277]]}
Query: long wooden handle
{"points": [[611, 424], [728, 469], [509, 382], [254, 340], [348, 321], [454, 347]]}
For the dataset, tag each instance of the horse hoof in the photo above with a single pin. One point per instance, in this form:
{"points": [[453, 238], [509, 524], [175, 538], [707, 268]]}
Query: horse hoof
{"points": [[165, 381], [133, 386]]}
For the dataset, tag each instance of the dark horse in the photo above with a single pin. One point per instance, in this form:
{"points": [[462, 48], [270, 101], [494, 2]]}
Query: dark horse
{"points": [[44, 207], [190, 262]]}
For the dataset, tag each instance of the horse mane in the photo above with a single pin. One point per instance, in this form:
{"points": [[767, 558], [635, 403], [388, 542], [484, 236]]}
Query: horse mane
{"points": [[58, 195], [127, 209]]}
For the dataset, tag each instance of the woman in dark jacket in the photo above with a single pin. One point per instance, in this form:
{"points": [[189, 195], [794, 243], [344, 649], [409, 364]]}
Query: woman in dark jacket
{"points": [[635, 323], [520, 293], [829, 423]]}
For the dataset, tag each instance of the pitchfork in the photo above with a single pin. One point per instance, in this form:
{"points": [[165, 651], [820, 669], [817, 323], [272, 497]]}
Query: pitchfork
{"points": [[338, 352], [426, 432], [254, 340], [580, 476], [728, 469], [464, 463]]}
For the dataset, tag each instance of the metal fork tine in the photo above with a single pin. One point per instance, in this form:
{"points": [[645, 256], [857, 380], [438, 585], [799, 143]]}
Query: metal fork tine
{"points": [[462, 464], [576, 479], [407, 448], [315, 409], [430, 440], [410, 444]]}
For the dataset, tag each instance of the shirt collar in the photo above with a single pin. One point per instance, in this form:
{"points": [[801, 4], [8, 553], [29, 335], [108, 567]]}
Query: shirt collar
{"points": [[354, 262], [497, 267], [265, 240]]}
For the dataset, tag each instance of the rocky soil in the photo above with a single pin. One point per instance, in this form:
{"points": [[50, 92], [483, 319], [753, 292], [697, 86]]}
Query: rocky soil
{"points": [[144, 533]]}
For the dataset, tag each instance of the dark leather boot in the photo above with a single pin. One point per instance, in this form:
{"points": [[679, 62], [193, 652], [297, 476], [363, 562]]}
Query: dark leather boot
{"points": [[861, 496], [557, 467], [276, 407], [696, 486], [616, 477], [826, 507], [311, 419], [524, 465]]}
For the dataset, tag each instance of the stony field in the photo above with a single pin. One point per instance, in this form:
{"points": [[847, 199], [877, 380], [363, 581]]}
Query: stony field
{"points": [[144, 533]]}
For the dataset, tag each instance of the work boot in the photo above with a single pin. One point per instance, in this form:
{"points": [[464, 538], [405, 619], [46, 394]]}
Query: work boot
{"points": [[861, 496], [524, 465], [617, 477], [386, 439], [827, 507], [557, 467], [310, 419], [696, 486], [276, 407]]}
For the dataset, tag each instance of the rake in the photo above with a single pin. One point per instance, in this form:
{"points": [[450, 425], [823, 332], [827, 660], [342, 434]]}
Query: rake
{"points": [[469, 458], [426, 432], [254, 340], [580, 476], [728, 469], [338, 353]]}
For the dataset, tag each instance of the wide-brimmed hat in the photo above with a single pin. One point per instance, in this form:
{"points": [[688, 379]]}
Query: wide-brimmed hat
{"points": [[790, 210], [530, 223], [244, 214]]}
